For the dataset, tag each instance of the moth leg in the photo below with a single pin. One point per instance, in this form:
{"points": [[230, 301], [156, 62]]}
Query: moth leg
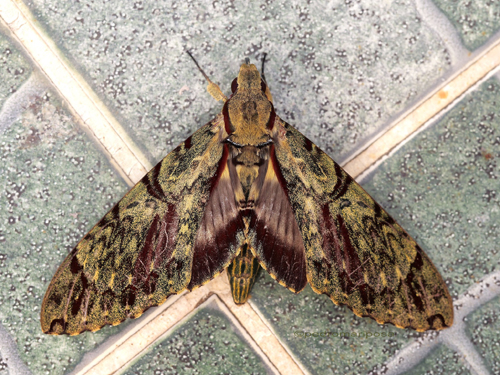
{"points": [[242, 273], [212, 88]]}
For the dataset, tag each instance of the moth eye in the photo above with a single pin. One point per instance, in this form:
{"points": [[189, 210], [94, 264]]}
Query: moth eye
{"points": [[234, 85]]}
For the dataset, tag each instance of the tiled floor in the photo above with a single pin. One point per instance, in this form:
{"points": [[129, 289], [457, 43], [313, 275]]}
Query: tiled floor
{"points": [[403, 93]]}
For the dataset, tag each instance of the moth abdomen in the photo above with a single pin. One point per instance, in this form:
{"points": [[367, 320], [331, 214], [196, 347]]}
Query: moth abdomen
{"points": [[242, 273]]}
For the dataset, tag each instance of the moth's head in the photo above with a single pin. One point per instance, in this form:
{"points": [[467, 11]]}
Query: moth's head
{"points": [[248, 78]]}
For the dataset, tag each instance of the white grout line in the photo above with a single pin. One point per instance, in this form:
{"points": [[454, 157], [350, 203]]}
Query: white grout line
{"points": [[127, 157], [411, 355], [213, 302], [82, 101], [428, 108], [261, 334], [10, 354], [431, 122], [223, 307], [454, 337], [107, 348], [461, 344], [477, 295], [270, 328], [134, 344]]}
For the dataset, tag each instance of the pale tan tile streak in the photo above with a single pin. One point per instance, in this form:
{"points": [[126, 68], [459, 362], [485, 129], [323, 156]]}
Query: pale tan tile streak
{"points": [[132, 165], [429, 107], [261, 333], [260, 337]]}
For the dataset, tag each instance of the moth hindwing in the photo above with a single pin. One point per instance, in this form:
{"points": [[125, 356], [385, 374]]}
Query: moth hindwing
{"points": [[246, 190]]}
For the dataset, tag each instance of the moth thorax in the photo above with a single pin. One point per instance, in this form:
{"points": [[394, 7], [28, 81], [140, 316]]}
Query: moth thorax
{"points": [[247, 167], [249, 113], [248, 156]]}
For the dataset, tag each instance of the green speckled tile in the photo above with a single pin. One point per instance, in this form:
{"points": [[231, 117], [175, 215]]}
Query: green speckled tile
{"points": [[476, 21], [207, 343], [54, 186], [483, 327], [441, 361], [337, 71], [4, 368], [14, 69], [442, 187], [293, 317]]}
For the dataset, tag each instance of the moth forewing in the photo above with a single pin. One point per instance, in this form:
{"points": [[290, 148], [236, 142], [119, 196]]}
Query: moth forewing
{"points": [[359, 242], [246, 190]]}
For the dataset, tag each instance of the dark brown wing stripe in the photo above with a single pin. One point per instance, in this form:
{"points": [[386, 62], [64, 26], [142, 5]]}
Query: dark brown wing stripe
{"points": [[343, 182], [152, 183], [277, 239], [157, 250], [217, 240]]}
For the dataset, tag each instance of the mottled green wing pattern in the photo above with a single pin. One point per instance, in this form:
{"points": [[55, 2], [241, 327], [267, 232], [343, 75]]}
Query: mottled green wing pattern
{"points": [[355, 252], [142, 250]]}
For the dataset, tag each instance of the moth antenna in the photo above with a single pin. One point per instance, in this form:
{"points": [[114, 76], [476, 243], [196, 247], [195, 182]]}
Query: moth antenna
{"points": [[212, 88], [262, 69]]}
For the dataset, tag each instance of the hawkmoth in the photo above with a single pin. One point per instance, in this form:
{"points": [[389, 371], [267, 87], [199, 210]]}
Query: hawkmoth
{"points": [[245, 191]]}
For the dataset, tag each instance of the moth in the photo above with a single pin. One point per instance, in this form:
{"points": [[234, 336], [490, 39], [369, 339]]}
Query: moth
{"points": [[245, 191]]}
